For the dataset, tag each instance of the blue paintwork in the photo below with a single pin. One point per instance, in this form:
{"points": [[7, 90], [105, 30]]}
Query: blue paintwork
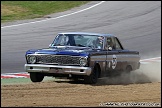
{"points": [[72, 51]]}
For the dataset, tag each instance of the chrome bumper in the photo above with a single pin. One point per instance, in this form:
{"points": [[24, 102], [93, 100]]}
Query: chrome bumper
{"points": [[57, 69]]}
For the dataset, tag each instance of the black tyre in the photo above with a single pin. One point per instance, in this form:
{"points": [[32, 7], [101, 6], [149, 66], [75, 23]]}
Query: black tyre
{"points": [[36, 77], [93, 78], [75, 79], [128, 69]]}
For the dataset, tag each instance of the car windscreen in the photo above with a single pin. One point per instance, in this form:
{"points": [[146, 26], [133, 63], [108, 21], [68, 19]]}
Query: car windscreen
{"points": [[93, 41]]}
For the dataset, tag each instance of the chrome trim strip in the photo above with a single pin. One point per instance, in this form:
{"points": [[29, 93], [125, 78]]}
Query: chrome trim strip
{"points": [[73, 58], [64, 69], [58, 64], [55, 55]]}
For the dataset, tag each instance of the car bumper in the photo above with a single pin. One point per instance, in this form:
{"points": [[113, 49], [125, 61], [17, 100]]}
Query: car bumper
{"points": [[57, 69]]}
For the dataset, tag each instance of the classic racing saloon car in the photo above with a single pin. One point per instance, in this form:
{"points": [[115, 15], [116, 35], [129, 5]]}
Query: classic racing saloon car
{"points": [[80, 55]]}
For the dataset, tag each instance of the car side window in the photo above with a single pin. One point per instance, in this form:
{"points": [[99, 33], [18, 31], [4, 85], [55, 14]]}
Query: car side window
{"points": [[110, 44], [117, 44]]}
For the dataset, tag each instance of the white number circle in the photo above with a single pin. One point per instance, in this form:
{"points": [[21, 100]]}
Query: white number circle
{"points": [[114, 61]]}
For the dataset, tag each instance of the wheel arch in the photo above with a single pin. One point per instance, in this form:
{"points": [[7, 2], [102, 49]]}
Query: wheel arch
{"points": [[97, 65], [128, 68]]}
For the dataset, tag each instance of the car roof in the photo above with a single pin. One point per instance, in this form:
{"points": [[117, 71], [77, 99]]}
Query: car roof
{"points": [[88, 33]]}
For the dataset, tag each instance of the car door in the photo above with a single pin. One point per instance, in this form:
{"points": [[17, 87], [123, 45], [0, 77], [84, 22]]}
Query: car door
{"points": [[112, 63], [120, 56]]}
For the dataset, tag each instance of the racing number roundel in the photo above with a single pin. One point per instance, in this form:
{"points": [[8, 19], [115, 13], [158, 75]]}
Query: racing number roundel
{"points": [[114, 61]]}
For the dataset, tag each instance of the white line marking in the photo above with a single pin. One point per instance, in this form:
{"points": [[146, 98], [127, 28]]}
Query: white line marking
{"points": [[55, 17], [14, 73], [144, 62], [13, 76], [150, 59], [147, 61]]}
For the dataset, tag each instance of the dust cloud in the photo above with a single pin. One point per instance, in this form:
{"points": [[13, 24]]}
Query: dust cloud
{"points": [[152, 71], [147, 73]]}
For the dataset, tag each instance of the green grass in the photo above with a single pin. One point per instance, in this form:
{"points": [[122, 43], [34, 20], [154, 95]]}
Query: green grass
{"points": [[20, 10], [10, 81], [15, 81]]}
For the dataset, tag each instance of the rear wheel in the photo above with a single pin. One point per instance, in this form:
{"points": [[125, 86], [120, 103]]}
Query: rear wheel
{"points": [[36, 77], [127, 74], [92, 79], [128, 69]]}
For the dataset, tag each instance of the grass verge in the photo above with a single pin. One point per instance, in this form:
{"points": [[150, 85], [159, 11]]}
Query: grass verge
{"points": [[21, 10], [11, 81]]}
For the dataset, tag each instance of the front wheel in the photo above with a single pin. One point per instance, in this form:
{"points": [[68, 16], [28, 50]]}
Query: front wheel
{"points": [[92, 79], [36, 77]]}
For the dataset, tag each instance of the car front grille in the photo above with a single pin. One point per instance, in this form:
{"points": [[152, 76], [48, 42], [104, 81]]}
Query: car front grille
{"points": [[58, 59]]}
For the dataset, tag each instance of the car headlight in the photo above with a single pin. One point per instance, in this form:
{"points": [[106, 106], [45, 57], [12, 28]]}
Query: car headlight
{"points": [[83, 61], [31, 59]]}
